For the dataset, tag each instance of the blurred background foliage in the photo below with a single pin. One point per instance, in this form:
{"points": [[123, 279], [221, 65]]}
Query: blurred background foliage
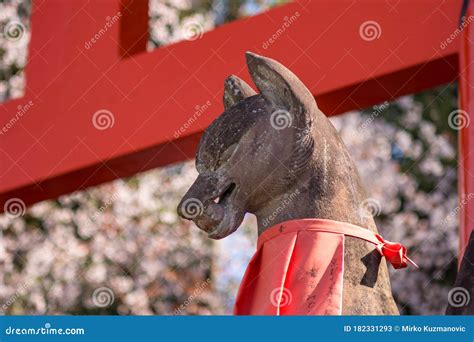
{"points": [[125, 235]]}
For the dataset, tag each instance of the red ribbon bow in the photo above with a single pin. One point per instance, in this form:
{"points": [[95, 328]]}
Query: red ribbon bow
{"points": [[395, 253]]}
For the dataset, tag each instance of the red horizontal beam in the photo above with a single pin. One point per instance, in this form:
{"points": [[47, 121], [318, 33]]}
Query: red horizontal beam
{"points": [[92, 62]]}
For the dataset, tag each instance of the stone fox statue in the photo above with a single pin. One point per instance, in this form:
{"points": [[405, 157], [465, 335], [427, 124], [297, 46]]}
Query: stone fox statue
{"points": [[276, 155]]}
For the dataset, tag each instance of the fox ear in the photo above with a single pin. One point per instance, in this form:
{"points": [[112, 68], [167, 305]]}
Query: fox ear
{"points": [[282, 88], [235, 90]]}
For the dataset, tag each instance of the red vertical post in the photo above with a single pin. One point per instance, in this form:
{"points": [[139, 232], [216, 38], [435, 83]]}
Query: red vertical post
{"points": [[133, 27], [466, 133]]}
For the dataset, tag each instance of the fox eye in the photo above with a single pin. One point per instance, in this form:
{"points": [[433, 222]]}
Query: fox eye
{"points": [[225, 156]]}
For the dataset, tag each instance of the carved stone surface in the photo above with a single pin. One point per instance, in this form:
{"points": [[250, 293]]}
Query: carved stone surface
{"points": [[277, 147]]}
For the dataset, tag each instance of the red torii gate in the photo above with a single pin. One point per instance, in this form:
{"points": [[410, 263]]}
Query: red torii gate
{"points": [[54, 148]]}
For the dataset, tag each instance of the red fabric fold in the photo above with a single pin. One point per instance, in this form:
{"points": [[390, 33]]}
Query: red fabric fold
{"points": [[394, 252], [298, 268]]}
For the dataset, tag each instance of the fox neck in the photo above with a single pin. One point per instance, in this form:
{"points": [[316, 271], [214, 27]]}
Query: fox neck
{"points": [[330, 189]]}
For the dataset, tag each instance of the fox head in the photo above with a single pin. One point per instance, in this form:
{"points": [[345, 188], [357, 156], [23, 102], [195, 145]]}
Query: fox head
{"points": [[260, 148]]}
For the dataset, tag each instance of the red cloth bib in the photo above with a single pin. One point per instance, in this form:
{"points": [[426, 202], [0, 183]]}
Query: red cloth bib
{"points": [[298, 268]]}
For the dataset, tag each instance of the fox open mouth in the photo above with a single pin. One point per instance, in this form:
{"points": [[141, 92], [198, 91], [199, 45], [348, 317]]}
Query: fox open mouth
{"points": [[221, 215], [218, 215], [225, 195]]}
